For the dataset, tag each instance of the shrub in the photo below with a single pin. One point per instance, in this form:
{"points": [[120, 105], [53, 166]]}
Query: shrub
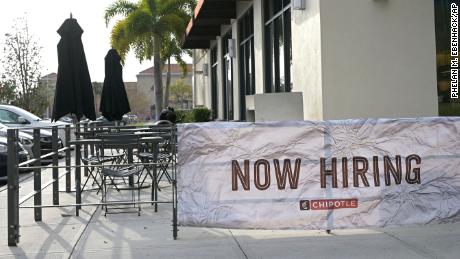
{"points": [[184, 116], [201, 114]]}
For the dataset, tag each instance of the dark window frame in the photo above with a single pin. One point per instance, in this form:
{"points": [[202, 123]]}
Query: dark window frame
{"points": [[227, 85], [214, 83], [246, 57], [273, 80]]}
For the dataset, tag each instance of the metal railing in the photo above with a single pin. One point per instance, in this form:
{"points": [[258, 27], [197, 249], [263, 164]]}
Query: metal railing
{"points": [[15, 202]]}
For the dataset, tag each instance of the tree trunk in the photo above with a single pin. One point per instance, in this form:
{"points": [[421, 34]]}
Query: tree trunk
{"points": [[157, 77], [168, 82]]}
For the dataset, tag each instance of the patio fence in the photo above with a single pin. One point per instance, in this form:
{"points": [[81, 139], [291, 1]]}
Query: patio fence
{"points": [[79, 148]]}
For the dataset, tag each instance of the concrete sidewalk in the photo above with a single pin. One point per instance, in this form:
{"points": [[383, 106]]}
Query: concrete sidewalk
{"points": [[92, 235]]}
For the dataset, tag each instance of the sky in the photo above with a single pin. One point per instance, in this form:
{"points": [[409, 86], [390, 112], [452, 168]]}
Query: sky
{"points": [[46, 16]]}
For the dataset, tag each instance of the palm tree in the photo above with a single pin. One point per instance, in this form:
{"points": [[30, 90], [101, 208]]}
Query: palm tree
{"points": [[171, 48], [145, 27]]}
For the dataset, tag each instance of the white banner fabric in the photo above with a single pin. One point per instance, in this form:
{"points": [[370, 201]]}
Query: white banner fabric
{"points": [[319, 175]]}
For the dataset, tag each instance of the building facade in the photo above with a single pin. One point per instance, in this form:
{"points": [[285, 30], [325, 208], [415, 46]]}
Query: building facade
{"points": [[49, 81], [145, 82], [317, 59]]}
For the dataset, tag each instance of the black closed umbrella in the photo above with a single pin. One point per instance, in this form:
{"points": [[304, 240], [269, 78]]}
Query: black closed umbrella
{"points": [[74, 91], [114, 101]]}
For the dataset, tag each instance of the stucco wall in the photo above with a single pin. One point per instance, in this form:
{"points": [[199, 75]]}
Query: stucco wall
{"points": [[258, 46], [278, 106], [145, 86], [201, 91], [220, 94], [306, 58], [236, 73], [378, 58]]}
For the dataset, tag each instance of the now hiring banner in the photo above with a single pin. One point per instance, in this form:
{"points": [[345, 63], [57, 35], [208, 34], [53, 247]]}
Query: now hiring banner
{"points": [[319, 175]]}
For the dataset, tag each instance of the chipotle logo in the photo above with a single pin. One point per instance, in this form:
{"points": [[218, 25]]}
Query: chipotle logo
{"points": [[328, 204]]}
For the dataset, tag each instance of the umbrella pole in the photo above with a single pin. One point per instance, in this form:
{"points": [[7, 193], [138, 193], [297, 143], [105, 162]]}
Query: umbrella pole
{"points": [[77, 170], [117, 125]]}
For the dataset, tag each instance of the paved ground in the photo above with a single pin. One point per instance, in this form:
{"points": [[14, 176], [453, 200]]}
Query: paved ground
{"points": [[92, 235]]}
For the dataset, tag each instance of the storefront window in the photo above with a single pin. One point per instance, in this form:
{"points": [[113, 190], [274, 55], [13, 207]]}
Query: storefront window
{"points": [[214, 100], [278, 54], [247, 79]]}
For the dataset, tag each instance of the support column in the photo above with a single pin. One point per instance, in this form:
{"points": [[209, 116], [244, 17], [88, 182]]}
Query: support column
{"points": [[259, 46]]}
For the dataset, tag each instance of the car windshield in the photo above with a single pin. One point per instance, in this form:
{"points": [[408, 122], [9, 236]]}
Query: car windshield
{"points": [[29, 115]]}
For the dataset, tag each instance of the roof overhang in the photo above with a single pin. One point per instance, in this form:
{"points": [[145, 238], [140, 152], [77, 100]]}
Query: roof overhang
{"points": [[205, 24]]}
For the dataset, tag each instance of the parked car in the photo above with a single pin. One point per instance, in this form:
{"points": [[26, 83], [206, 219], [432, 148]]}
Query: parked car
{"points": [[70, 120], [129, 118], [12, 116], [66, 119], [132, 118], [23, 156], [26, 140], [125, 119], [102, 121]]}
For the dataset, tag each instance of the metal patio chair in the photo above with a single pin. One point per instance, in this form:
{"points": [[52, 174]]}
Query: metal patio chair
{"points": [[166, 156], [120, 170], [97, 159]]}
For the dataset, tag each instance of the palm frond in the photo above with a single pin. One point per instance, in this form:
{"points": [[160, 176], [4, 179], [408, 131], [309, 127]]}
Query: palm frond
{"points": [[143, 47], [139, 22], [120, 7], [151, 6], [173, 6], [120, 39], [182, 64], [147, 19]]}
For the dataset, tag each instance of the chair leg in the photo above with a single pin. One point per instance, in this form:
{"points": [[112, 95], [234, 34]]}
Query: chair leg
{"points": [[87, 179], [156, 188], [94, 176], [84, 185], [103, 193], [139, 195], [147, 174], [132, 195], [105, 198], [164, 171], [112, 182]]}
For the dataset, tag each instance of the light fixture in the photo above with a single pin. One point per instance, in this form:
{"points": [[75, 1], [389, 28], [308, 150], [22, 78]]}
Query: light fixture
{"points": [[231, 48], [298, 4], [205, 69]]}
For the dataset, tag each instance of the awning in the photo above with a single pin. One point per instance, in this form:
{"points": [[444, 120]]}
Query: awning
{"points": [[206, 22]]}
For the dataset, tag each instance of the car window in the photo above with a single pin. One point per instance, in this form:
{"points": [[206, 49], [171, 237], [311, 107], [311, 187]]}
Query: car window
{"points": [[8, 117], [28, 115], [23, 113]]}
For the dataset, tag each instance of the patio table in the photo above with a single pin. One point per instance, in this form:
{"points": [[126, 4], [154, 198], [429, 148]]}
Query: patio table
{"points": [[152, 141], [134, 129]]}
